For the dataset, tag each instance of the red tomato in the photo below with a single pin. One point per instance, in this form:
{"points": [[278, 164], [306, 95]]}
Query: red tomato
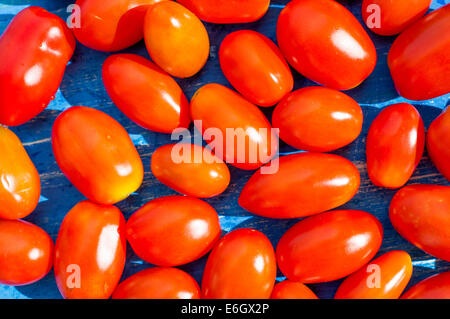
{"points": [[292, 290], [329, 246], [96, 154], [434, 287], [227, 11], [438, 142], [236, 129], [241, 266], [158, 283], [387, 17], [145, 93], [383, 278], [420, 213], [26, 253], [419, 59], [395, 145], [190, 169], [90, 251], [305, 184], [176, 39], [323, 41], [34, 51], [173, 230], [318, 119], [255, 67], [20, 185]]}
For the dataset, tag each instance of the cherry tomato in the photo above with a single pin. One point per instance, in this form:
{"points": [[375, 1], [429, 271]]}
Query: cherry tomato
{"points": [[26, 253], [145, 93], [158, 283], [434, 287], [176, 39], [34, 51], [255, 67], [96, 154], [420, 213], [190, 169], [227, 11], [383, 278], [387, 17], [395, 144], [318, 119], [236, 129], [438, 142], [419, 59], [241, 266], [173, 230], [292, 290], [305, 184], [20, 185], [90, 251], [323, 41], [329, 246]]}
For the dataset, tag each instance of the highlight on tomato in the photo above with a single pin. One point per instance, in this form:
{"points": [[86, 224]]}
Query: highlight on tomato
{"points": [[434, 287], [288, 289], [438, 143]]}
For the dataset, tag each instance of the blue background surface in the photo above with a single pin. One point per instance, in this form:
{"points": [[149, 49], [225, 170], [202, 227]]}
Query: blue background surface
{"points": [[82, 85]]}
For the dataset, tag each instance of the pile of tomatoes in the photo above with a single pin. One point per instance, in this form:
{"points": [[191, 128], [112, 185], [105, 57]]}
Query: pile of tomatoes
{"points": [[321, 40]]}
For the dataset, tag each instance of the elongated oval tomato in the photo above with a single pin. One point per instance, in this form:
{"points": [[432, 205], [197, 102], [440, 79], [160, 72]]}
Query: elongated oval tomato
{"points": [[145, 93], [420, 213], [387, 17], [323, 41], [90, 251], [20, 185], [255, 67], [241, 266], [318, 119], [383, 278], [96, 154], [158, 283], [176, 39], [227, 11], [438, 142], [418, 59], [395, 144], [34, 51], [345, 239], [26, 253], [190, 169], [288, 289], [173, 230], [434, 287], [305, 184]]}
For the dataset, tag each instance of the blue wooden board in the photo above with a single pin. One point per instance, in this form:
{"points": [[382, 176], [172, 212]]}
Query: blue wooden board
{"points": [[82, 85]]}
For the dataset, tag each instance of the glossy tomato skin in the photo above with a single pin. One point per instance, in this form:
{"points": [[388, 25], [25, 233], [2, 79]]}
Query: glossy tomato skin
{"points": [[90, 251], [20, 185], [394, 146], [190, 169], [158, 283], [176, 39], [438, 143], [394, 270], [34, 51], [26, 253], [346, 239], [227, 11], [145, 93], [323, 41], [173, 230], [305, 184], [420, 213], [318, 119], [215, 109], [288, 289], [96, 154], [421, 74], [255, 67], [434, 287], [242, 265]]}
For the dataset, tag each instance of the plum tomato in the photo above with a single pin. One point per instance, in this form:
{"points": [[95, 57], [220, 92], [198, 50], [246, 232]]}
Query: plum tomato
{"points": [[438, 143], [434, 287], [288, 289]]}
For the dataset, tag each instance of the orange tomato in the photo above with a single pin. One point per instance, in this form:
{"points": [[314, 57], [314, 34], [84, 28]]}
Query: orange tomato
{"points": [[434, 287], [438, 143], [292, 290]]}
